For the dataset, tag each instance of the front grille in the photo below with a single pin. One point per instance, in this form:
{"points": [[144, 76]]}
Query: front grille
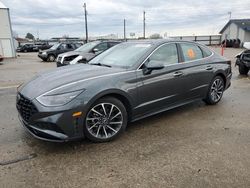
{"points": [[25, 107], [70, 58]]}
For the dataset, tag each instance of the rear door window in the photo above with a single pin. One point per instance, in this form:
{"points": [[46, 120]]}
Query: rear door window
{"points": [[166, 54], [191, 52], [70, 46], [206, 52], [63, 46]]}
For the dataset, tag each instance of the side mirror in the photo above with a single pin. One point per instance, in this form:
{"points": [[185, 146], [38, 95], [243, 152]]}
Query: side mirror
{"points": [[95, 50], [152, 65]]}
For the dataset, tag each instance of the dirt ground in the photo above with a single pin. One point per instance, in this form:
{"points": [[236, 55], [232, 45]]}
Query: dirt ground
{"points": [[192, 146]]}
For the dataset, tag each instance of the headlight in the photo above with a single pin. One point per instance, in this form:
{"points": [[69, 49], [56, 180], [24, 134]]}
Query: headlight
{"points": [[58, 99], [44, 53]]}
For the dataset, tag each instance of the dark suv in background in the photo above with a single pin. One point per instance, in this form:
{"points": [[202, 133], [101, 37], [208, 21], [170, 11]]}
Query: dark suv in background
{"points": [[41, 46], [58, 48], [26, 48], [85, 53]]}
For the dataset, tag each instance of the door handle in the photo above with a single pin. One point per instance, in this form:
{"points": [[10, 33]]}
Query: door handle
{"points": [[209, 67], [176, 74]]}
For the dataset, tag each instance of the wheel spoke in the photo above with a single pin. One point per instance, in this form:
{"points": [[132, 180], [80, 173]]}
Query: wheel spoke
{"points": [[93, 126], [112, 123], [98, 130], [97, 112], [115, 116], [218, 96], [105, 132], [220, 88], [111, 110], [91, 119], [111, 129], [104, 110]]}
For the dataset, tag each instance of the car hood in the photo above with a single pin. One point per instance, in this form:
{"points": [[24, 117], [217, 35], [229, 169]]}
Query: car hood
{"points": [[48, 50], [71, 53], [87, 56], [65, 79]]}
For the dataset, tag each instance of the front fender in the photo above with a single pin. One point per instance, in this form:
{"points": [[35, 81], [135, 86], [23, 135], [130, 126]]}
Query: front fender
{"points": [[110, 92]]}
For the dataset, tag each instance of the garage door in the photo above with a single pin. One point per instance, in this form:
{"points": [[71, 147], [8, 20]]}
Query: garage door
{"points": [[6, 48]]}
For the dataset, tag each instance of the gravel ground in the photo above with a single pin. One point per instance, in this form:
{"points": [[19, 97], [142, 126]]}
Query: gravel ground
{"points": [[192, 146]]}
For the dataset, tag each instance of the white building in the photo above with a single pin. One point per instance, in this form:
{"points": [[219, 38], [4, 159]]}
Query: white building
{"points": [[6, 39], [236, 29]]}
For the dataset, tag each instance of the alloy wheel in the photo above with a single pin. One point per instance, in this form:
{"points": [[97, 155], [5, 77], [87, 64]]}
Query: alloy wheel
{"points": [[217, 89], [104, 120]]}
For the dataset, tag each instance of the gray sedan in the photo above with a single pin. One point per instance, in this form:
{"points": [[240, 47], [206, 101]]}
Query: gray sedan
{"points": [[130, 81]]}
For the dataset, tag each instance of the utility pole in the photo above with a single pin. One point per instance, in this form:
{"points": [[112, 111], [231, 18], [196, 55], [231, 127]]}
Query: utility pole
{"points": [[229, 31], [144, 24], [230, 15], [86, 22], [124, 27]]}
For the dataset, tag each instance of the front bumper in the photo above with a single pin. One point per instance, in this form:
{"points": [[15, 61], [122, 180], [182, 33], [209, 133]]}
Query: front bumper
{"points": [[43, 56], [228, 81], [49, 124], [46, 135], [59, 64]]}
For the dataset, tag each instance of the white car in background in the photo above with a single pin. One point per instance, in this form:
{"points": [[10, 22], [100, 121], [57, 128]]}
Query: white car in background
{"points": [[84, 53]]}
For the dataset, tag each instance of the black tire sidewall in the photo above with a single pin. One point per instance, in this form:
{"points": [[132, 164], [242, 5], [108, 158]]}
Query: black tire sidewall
{"points": [[243, 70], [51, 56], [120, 105]]}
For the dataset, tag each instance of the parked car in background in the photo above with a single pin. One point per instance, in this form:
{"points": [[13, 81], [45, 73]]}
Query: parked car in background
{"points": [[58, 48], [1, 58], [128, 82], [243, 59], [84, 53], [41, 46], [26, 48]]}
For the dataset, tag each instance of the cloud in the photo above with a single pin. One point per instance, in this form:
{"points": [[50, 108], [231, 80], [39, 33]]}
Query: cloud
{"points": [[59, 17]]}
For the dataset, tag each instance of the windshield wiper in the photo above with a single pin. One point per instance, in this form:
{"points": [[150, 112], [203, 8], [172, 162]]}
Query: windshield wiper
{"points": [[100, 64]]}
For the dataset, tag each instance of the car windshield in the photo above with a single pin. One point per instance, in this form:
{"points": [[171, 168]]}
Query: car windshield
{"points": [[87, 47], [55, 46], [123, 55]]}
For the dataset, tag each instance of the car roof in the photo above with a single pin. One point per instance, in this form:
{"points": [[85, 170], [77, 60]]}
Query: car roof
{"points": [[158, 41]]}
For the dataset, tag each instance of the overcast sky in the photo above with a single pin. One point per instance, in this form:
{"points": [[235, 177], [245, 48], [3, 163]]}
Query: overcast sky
{"points": [[55, 18]]}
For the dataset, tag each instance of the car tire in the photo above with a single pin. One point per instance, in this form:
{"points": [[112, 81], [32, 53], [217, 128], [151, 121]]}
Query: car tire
{"points": [[243, 70], [215, 91], [106, 119], [51, 58], [25, 51]]}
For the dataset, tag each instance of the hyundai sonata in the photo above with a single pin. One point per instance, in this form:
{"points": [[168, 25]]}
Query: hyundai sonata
{"points": [[128, 82]]}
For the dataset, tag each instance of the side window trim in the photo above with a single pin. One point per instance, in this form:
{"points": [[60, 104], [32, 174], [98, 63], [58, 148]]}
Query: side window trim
{"points": [[180, 52], [202, 51]]}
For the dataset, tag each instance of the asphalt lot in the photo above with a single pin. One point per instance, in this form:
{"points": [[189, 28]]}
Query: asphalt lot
{"points": [[191, 146]]}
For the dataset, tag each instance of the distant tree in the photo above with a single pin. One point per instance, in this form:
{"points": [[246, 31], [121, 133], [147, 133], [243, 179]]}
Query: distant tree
{"points": [[155, 36], [30, 36]]}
